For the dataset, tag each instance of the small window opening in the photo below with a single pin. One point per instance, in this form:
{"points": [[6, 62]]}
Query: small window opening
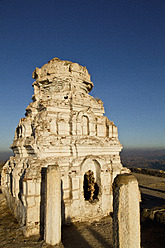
{"points": [[91, 188], [65, 97]]}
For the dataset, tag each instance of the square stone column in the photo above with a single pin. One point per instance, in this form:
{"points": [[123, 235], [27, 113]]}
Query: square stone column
{"points": [[126, 212], [53, 205]]}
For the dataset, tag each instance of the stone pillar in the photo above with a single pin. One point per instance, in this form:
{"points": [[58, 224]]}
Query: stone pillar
{"points": [[53, 206], [126, 212]]}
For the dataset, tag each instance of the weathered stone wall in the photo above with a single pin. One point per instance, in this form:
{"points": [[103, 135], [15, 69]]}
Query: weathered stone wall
{"points": [[64, 125]]}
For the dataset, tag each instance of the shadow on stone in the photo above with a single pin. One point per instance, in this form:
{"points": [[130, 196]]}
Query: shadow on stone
{"points": [[158, 190], [71, 237], [149, 201], [152, 234], [42, 204], [99, 237]]}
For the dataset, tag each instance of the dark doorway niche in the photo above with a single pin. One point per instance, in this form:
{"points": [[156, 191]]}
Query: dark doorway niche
{"points": [[91, 188]]}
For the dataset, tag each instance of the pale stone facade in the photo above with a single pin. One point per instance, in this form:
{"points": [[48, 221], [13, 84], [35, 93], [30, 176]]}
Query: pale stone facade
{"points": [[65, 126]]}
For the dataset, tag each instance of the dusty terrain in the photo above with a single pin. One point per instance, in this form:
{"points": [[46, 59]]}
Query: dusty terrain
{"points": [[97, 234], [152, 190]]}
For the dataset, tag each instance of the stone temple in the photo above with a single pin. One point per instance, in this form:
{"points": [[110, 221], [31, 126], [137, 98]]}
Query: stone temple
{"points": [[64, 126]]}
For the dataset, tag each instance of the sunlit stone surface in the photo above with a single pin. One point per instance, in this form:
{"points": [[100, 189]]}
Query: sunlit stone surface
{"points": [[126, 215], [65, 126]]}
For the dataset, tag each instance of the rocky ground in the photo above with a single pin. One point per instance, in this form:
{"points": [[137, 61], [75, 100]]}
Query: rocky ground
{"points": [[97, 234], [152, 190]]}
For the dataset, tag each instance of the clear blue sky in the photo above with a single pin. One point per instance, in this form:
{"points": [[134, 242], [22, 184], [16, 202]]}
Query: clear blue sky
{"points": [[121, 42]]}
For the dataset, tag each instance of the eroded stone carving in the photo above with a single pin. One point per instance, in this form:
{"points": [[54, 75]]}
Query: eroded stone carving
{"points": [[64, 125]]}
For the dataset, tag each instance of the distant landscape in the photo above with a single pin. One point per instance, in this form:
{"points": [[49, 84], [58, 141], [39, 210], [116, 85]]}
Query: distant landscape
{"points": [[4, 156], [144, 158], [140, 158]]}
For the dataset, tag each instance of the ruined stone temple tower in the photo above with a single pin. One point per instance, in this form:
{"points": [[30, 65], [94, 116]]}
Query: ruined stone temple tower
{"points": [[65, 126]]}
